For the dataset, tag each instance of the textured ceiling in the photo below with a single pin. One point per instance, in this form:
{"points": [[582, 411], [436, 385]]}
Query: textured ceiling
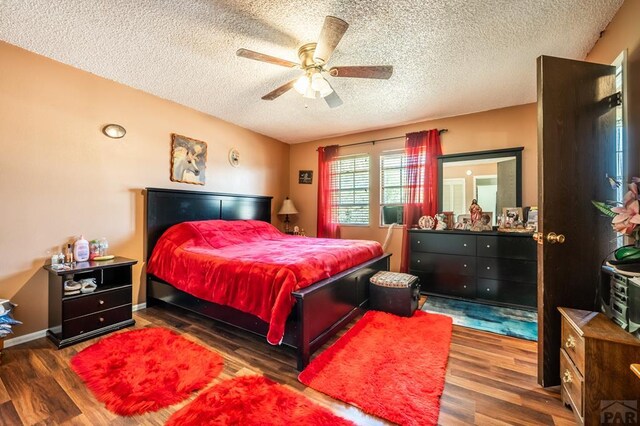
{"points": [[451, 57]]}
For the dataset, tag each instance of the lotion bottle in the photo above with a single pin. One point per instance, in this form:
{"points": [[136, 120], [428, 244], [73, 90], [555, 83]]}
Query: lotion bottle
{"points": [[81, 249]]}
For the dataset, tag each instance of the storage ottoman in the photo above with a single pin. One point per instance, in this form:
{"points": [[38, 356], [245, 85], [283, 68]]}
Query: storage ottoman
{"points": [[394, 292]]}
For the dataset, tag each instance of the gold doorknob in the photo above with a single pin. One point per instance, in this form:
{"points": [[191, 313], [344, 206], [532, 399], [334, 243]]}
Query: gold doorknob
{"points": [[554, 238], [551, 238]]}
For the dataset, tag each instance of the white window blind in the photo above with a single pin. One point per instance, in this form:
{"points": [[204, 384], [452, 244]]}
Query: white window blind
{"points": [[393, 177], [350, 186]]}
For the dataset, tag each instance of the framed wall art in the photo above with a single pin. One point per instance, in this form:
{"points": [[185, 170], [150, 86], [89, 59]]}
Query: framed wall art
{"points": [[305, 176], [188, 160]]}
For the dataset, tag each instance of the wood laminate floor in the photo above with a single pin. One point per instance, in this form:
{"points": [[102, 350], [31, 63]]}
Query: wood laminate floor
{"points": [[491, 379]]}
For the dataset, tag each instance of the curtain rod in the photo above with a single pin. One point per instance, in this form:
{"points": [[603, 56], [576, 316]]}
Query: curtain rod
{"points": [[373, 142]]}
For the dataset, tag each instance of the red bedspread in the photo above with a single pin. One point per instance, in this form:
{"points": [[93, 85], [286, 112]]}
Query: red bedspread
{"points": [[250, 265]]}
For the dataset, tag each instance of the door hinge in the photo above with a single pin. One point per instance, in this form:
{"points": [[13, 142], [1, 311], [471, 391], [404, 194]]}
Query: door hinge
{"points": [[615, 100]]}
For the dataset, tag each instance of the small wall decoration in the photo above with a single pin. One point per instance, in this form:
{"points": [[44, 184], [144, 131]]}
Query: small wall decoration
{"points": [[188, 160], [234, 157], [305, 176]]}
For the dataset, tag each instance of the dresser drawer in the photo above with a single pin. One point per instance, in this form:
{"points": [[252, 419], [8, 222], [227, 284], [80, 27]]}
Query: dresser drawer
{"points": [[573, 344], [511, 292], [507, 269], [77, 326], [443, 263], [432, 242], [90, 303], [446, 284], [522, 248], [572, 383]]}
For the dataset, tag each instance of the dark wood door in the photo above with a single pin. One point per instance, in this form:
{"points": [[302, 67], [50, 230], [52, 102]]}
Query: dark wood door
{"points": [[576, 149]]}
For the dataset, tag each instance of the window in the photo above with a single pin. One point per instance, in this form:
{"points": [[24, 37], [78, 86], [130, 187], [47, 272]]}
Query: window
{"points": [[393, 185], [620, 63], [350, 186], [453, 196]]}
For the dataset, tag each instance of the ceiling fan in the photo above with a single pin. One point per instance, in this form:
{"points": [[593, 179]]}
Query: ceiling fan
{"points": [[313, 61]]}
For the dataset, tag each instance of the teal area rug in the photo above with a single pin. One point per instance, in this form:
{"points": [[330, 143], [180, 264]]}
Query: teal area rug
{"points": [[506, 321]]}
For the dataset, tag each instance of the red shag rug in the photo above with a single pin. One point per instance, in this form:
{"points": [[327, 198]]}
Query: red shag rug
{"points": [[144, 370], [389, 366], [253, 400]]}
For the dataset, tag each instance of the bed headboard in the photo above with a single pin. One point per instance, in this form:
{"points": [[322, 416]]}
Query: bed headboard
{"points": [[167, 207]]}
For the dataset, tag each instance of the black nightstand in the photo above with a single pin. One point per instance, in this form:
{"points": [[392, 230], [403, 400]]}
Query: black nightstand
{"points": [[80, 317]]}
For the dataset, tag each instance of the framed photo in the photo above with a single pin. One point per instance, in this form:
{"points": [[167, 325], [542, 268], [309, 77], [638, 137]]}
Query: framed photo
{"points": [[305, 176], [188, 160], [512, 214]]}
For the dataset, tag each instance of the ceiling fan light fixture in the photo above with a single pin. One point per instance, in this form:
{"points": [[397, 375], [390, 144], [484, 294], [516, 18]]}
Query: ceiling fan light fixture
{"points": [[302, 85], [310, 93], [319, 84]]}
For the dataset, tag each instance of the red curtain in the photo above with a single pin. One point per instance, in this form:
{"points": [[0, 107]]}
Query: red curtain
{"points": [[421, 150], [326, 227]]}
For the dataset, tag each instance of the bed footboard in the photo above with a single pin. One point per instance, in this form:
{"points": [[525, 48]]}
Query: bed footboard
{"points": [[327, 306]]}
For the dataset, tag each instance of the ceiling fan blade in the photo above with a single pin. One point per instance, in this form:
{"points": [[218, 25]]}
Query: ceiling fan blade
{"points": [[250, 54], [383, 72], [331, 34], [279, 91], [333, 100]]}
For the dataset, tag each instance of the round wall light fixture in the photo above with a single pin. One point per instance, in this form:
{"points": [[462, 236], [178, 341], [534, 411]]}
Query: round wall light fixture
{"points": [[114, 131]]}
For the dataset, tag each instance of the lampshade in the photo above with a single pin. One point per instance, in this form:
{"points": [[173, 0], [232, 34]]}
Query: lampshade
{"points": [[319, 84], [288, 207], [302, 84]]}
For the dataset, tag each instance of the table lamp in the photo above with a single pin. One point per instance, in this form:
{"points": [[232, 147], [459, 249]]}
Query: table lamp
{"points": [[287, 209]]}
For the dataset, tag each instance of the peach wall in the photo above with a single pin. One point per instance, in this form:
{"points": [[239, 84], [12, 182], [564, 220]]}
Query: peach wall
{"points": [[495, 129], [623, 33], [60, 177]]}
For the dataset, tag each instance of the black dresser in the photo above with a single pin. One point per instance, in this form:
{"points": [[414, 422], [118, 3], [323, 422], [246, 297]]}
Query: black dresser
{"points": [[490, 267]]}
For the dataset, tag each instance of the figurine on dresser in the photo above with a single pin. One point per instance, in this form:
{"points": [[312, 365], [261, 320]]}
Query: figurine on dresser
{"points": [[476, 212], [441, 222]]}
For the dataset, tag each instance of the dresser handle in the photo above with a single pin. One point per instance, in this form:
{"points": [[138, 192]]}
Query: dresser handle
{"points": [[418, 241], [488, 246], [465, 244], [101, 319], [570, 343], [418, 261], [100, 302], [464, 286], [488, 289], [488, 268], [465, 265], [567, 378]]}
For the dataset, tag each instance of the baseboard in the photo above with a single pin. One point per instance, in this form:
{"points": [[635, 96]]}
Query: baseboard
{"points": [[24, 339], [139, 307], [43, 333]]}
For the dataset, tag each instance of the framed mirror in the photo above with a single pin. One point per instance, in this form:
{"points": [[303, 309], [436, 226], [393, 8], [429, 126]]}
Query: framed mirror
{"points": [[493, 178]]}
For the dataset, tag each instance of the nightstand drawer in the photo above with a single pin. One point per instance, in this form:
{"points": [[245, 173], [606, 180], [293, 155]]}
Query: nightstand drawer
{"points": [[77, 326], [573, 344], [572, 382], [90, 303], [433, 242]]}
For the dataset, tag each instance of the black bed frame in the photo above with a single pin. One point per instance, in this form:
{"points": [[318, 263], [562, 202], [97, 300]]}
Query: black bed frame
{"points": [[321, 309]]}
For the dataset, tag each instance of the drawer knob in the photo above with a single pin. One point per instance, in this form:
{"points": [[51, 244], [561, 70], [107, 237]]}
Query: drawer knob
{"points": [[488, 246], [464, 286], [567, 377], [570, 343], [101, 319], [465, 265], [418, 260], [465, 244], [488, 289], [100, 302], [488, 267], [418, 241]]}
